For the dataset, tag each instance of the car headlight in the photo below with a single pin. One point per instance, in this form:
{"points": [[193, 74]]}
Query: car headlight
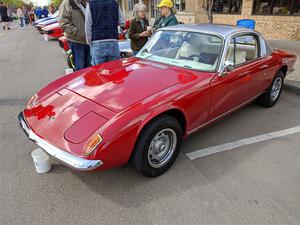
{"points": [[92, 144], [31, 101]]}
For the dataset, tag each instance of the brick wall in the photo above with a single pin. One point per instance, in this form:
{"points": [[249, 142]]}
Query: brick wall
{"points": [[272, 27]]}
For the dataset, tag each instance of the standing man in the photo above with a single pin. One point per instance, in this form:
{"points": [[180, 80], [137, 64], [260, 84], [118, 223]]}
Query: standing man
{"points": [[101, 28], [38, 13], [71, 19], [4, 17], [20, 15], [45, 12]]}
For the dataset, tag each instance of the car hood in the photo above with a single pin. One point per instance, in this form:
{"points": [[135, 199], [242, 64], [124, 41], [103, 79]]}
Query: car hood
{"points": [[65, 119], [118, 84], [51, 26], [47, 22]]}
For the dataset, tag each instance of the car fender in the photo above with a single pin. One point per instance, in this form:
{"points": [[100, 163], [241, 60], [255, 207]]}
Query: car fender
{"points": [[163, 110]]}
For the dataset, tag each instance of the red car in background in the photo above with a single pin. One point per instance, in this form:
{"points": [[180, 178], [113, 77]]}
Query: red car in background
{"points": [[52, 31], [63, 43], [43, 24], [138, 109]]}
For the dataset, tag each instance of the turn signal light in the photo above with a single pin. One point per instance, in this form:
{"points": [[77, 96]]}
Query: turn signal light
{"points": [[92, 144], [32, 101]]}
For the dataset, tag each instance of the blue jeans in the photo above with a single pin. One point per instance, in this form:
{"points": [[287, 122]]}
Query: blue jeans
{"points": [[21, 21], [104, 51], [81, 55]]}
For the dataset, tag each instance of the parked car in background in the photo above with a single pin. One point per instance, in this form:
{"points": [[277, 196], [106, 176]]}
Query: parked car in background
{"points": [[43, 24], [124, 46], [138, 109], [52, 31], [63, 43], [54, 15]]}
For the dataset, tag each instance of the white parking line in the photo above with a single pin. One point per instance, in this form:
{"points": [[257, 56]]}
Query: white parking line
{"points": [[242, 142]]}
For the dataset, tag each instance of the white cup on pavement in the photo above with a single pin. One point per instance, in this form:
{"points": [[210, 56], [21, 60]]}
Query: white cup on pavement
{"points": [[46, 37], [41, 161], [69, 70]]}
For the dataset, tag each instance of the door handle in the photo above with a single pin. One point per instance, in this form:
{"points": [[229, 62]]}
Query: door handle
{"points": [[264, 66], [245, 73]]}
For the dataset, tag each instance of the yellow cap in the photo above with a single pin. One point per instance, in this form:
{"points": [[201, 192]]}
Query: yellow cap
{"points": [[165, 3]]}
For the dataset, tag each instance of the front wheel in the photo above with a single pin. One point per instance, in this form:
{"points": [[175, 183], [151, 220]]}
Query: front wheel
{"points": [[157, 146], [272, 94]]}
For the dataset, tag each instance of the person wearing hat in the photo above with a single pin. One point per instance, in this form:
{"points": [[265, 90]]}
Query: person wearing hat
{"points": [[167, 17]]}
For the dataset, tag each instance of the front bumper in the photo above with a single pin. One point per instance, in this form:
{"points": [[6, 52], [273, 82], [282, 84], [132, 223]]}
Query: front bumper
{"points": [[45, 31], [64, 157]]}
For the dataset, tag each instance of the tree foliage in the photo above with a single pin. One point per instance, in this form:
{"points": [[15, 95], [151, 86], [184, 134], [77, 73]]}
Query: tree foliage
{"points": [[56, 3], [14, 3]]}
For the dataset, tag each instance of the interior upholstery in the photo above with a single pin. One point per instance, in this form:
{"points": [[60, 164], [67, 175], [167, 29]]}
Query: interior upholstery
{"points": [[198, 46], [244, 52]]}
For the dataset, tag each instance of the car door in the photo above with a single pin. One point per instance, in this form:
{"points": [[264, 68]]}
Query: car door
{"points": [[243, 81]]}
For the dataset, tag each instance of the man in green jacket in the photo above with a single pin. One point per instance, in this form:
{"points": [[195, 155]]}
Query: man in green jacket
{"points": [[72, 19], [167, 17]]}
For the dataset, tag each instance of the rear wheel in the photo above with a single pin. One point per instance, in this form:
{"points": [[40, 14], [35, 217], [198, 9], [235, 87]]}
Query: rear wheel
{"points": [[157, 147], [272, 94]]}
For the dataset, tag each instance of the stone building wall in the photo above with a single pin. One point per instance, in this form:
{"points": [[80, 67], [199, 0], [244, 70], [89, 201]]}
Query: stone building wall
{"points": [[272, 27]]}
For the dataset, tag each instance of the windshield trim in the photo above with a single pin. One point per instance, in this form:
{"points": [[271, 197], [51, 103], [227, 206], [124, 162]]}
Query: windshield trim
{"points": [[198, 32]]}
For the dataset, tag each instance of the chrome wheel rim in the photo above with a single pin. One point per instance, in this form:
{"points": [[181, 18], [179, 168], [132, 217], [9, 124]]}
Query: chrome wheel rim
{"points": [[276, 88], [162, 148]]}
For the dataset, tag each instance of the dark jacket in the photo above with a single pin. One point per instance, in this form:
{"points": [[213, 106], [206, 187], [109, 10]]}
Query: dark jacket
{"points": [[165, 21], [105, 17], [135, 29]]}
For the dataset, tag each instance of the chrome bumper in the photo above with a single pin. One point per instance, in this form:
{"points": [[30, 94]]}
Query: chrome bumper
{"points": [[66, 158]]}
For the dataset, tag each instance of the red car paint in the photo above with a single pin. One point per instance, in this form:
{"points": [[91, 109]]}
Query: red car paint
{"points": [[53, 30], [122, 96], [63, 43]]}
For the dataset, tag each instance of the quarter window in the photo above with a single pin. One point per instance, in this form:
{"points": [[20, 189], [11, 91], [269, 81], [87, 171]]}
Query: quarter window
{"points": [[242, 49]]}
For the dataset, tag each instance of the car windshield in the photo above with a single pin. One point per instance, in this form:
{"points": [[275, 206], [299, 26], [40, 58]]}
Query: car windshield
{"points": [[184, 49]]}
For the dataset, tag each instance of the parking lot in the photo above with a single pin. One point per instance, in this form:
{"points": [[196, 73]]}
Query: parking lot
{"points": [[255, 183]]}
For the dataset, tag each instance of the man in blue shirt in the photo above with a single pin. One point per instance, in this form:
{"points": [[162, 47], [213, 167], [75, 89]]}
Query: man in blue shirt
{"points": [[101, 27], [45, 12], [38, 13]]}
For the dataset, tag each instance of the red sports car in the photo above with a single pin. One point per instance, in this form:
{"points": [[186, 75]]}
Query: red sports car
{"points": [[138, 109], [52, 31]]}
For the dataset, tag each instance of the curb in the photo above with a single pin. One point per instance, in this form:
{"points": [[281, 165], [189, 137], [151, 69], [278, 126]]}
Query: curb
{"points": [[293, 86]]}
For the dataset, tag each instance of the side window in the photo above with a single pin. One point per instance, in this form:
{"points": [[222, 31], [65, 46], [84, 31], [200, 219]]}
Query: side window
{"points": [[242, 49]]}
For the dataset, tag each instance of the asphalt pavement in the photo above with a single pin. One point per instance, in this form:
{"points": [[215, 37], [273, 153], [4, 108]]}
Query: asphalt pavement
{"points": [[257, 183]]}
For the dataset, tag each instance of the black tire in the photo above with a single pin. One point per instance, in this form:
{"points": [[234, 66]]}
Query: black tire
{"points": [[140, 160], [266, 99], [70, 61]]}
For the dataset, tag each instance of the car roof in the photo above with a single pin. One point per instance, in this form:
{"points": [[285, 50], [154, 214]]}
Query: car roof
{"points": [[218, 29]]}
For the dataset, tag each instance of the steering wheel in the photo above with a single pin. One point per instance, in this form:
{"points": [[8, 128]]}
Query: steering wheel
{"points": [[200, 58], [194, 57]]}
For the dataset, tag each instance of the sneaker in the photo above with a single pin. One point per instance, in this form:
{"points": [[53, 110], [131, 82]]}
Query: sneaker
{"points": [[8, 28]]}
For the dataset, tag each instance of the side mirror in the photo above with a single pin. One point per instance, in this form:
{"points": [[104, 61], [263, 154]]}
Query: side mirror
{"points": [[228, 66]]}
